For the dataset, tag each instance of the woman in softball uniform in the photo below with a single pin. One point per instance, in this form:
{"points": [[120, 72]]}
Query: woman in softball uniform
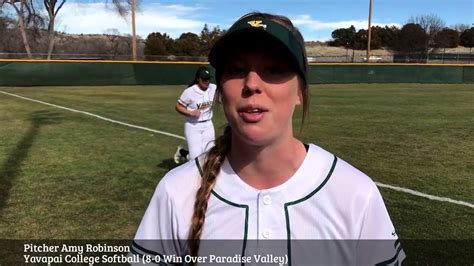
{"points": [[195, 103], [259, 182]]}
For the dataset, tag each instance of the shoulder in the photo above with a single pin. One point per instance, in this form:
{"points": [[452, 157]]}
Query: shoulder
{"points": [[189, 89], [213, 87], [352, 175], [344, 178], [180, 184]]}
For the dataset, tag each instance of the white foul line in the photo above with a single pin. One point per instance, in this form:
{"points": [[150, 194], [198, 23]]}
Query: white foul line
{"points": [[401, 189], [419, 194], [97, 116]]}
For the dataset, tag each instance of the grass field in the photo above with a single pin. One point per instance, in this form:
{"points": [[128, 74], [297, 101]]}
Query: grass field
{"points": [[66, 175]]}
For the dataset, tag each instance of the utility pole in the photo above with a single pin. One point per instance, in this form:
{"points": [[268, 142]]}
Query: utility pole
{"points": [[134, 34], [369, 31]]}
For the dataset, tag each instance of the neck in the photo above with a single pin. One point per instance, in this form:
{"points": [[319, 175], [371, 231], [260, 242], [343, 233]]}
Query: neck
{"points": [[264, 167], [202, 87]]}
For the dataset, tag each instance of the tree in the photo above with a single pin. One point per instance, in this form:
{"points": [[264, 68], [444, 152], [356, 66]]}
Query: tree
{"points": [[389, 37], [27, 17], [461, 27], [157, 44], [188, 44], [7, 39], [412, 39], [209, 38], [123, 7], [360, 40], [467, 39], [446, 38], [376, 40], [431, 24], [52, 8], [113, 35], [343, 37]]}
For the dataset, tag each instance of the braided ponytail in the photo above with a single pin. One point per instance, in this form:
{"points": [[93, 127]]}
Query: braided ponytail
{"points": [[212, 165]]}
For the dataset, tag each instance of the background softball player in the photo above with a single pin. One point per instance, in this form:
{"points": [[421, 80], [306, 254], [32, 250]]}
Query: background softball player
{"points": [[195, 103], [261, 183]]}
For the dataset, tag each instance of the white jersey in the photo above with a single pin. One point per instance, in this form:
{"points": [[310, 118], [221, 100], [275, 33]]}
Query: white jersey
{"points": [[326, 199], [194, 98]]}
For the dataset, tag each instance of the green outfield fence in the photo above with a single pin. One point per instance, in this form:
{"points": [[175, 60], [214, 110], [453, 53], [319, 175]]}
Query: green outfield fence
{"points": [[83, 73]]}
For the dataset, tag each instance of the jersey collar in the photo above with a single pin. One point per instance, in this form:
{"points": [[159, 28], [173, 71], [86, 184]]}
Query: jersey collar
{"points": [[309, 176]]}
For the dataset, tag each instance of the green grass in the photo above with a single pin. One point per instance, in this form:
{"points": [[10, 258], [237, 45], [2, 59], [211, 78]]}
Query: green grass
{"points": [[66, 175]]}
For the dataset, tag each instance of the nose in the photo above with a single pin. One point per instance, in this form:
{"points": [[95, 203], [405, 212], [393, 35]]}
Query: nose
{"points": [[252, 84]]}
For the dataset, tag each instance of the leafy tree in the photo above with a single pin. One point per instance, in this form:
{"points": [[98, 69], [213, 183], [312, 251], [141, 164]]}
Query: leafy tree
{"points": [[349, 38], [467, 38], [446, 38], [412, 39], [389, 37], [208, 38], [360, 40], [376, 40], [343, 37], [188, 44], [157, 44]]}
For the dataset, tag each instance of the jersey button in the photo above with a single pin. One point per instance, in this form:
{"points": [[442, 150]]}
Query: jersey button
{"points": [[267, 200], [267, 233]]}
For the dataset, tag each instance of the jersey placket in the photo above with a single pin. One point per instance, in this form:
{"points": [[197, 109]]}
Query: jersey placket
{"points": [[265, 229]]}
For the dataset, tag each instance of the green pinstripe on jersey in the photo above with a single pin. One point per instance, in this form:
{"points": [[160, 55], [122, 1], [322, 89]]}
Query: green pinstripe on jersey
{"points": [[287, 215], [246, 207]]}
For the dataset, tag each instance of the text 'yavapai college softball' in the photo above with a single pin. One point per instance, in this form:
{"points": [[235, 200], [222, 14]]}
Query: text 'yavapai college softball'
{"points": [[83, 254]]}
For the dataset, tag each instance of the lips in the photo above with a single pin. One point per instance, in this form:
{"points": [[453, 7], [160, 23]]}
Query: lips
{"points": [[252, 113]]}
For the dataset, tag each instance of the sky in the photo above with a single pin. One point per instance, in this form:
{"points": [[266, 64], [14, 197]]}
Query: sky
{"points": [[316, 19]]}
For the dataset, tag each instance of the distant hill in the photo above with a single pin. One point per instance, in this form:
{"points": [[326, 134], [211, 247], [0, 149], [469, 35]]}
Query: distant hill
{"points": [[322, 49]]}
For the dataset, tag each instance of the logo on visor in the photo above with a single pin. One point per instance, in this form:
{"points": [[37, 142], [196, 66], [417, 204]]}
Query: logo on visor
{"points": [[257, 24]]}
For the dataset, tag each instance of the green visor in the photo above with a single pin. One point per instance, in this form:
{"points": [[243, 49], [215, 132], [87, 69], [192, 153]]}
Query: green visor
{"points": [[251, 27]]}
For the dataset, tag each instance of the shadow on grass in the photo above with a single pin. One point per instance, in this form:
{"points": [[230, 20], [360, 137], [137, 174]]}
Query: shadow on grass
{"points": [[167, 164], [11, 167]]}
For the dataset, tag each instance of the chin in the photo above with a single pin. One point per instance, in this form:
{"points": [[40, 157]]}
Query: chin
{"points": [[254, 137]]}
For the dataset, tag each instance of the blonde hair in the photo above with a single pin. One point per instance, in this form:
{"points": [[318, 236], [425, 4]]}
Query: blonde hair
{"points": [[217, 154]]}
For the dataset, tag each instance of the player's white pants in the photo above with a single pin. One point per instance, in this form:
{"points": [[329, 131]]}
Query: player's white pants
{"points": [[199, 136]]}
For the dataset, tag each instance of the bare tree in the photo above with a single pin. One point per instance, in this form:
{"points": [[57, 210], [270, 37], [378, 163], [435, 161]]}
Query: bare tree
{"points": [[26, 16], [461, 27], [7, 38], [431, 24], [113, 35], [52, 8], [123, 8]]}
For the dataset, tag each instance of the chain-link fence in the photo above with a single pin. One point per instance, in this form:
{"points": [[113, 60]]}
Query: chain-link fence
{"points": [[439, 58]]}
